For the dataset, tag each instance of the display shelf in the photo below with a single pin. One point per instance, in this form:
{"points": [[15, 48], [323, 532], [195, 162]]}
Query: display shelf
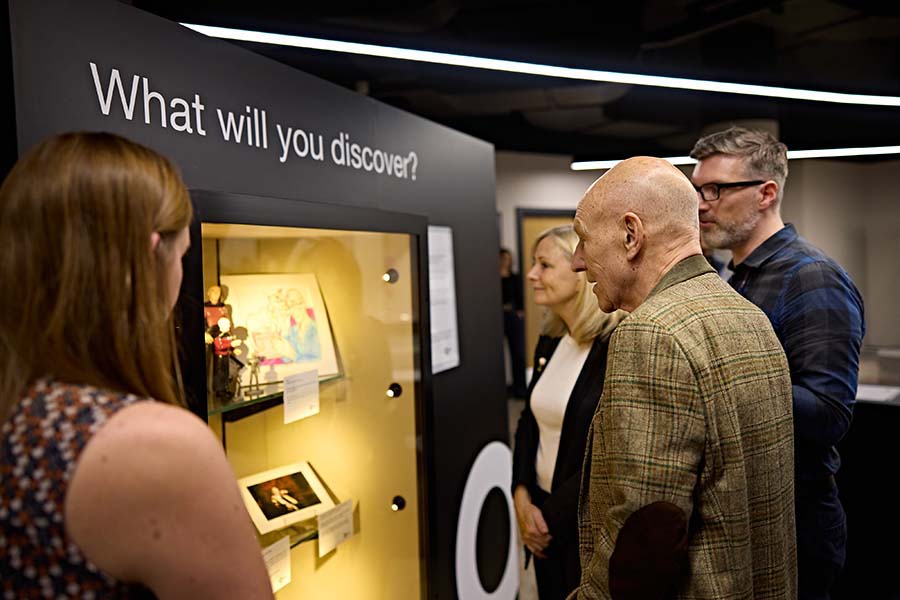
{"points": [[244, 408], [299, 533]]}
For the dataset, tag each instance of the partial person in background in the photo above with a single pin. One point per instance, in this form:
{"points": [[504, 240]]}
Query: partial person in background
{"points": [[817, 313], [569, 363], [513, 322], [108, 487], [688, 483]]}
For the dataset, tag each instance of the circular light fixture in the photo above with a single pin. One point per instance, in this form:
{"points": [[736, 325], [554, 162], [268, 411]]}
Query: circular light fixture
{"points": [[390, 276], [398, 503], [394, 390]]}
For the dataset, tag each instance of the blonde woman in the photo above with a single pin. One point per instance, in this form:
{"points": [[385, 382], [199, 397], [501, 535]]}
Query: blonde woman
{"points": [[569, 366], [105, 481]]}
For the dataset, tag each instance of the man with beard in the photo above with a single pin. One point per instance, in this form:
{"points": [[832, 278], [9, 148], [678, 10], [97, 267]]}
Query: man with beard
{"points": [[814, 308]]}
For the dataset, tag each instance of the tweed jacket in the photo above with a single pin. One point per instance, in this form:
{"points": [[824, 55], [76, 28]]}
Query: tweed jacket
{"points": [[695, 417]]}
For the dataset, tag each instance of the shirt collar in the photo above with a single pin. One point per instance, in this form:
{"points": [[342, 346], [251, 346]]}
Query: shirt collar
{"points": [[687, 268], [768, 248]]}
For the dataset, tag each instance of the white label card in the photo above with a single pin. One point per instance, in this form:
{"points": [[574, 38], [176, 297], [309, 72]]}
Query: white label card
{"points": [[301, 396], [442, 294], [335, 527], [278, 562]]}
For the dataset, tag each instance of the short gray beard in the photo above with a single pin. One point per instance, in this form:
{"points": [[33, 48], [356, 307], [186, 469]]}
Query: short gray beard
{"points": [[727, 236]]}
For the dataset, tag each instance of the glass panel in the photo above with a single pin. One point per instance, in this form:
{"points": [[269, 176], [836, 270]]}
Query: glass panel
{"points": [[363, 442]]}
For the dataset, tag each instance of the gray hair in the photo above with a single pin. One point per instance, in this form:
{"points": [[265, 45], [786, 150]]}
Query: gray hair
{"points": [[765, 156]]}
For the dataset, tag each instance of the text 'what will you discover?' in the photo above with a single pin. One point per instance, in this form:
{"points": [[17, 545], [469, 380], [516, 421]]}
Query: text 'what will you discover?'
{"points": [[250, 127]]}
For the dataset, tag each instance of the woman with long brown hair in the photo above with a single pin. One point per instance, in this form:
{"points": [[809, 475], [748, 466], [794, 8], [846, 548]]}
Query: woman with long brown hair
{"points": [[108, 487]]}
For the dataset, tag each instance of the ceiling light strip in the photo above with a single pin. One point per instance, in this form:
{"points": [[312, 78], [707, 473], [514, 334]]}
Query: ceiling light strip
{"points": [[835, 152], [593, 165], [538, 69]]}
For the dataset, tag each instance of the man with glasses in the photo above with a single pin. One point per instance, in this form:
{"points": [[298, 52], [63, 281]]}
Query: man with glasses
{"points": [[814, 308]]}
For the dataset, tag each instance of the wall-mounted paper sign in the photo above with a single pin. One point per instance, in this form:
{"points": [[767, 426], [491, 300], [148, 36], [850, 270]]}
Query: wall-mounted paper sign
{"points": [[301, 396], [278, 562], [335, 527], [442, 291]]}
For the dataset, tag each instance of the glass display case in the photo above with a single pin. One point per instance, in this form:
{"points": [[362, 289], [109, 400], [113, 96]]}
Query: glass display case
{"points": [[303, 300]]}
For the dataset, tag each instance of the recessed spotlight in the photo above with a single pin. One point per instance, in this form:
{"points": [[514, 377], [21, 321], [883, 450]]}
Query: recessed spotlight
{"points": [[390, 276]]}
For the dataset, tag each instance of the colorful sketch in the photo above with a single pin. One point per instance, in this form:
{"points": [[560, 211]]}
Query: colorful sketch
{"points": [[287, 324], [287, 331]]}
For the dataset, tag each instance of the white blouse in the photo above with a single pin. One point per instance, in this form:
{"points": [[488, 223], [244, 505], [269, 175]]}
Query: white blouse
{"points": [[549, 399]]}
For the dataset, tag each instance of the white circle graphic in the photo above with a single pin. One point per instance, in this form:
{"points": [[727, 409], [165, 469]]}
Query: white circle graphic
{"points": [[492, 468]]}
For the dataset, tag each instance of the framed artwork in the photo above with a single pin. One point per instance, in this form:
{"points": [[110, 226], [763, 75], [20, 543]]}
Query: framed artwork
{"points": [[281, 497], [286, 322]]}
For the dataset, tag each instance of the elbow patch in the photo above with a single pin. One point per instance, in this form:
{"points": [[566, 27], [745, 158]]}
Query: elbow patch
{"points": [[650, 557]]}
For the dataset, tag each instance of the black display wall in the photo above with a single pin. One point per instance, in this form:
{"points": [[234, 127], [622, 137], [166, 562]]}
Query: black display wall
{"points": [[178, 89]]}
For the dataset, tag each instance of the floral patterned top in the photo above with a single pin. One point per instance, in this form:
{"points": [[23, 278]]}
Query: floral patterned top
{"points": [[40, 444]]}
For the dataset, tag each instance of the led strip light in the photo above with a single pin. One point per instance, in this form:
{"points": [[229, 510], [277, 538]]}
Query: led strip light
{"points": [[525, 68], [592, 165]]}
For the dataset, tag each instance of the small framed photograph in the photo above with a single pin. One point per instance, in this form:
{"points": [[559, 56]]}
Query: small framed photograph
{"points": [[281, 497]]}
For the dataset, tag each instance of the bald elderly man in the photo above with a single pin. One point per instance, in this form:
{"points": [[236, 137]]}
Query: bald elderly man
{"points": [[687, 489]]}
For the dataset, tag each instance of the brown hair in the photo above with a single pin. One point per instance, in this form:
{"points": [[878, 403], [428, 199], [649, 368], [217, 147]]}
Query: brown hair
{"points": [[765, 156], [591, 322], [85, 292]]}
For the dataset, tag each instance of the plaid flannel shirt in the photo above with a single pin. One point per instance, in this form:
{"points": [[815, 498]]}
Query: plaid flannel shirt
{"points": [[817, 314]]}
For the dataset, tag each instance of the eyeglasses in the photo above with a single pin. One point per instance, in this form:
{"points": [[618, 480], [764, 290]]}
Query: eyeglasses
{"points": [[710, 191]]}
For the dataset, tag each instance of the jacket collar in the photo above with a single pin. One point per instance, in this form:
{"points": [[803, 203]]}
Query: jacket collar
{"points": [[688, 268]]}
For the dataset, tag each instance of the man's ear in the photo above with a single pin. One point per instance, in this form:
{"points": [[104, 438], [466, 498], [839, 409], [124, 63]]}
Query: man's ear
{"points": [[768, 195], [633, 229]]}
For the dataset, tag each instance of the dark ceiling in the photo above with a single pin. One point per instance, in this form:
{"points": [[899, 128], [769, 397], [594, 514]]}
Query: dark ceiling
{"points": [[832, 45]]}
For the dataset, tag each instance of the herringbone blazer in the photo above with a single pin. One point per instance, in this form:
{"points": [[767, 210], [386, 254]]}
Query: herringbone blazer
{"points": [[695, 412]]}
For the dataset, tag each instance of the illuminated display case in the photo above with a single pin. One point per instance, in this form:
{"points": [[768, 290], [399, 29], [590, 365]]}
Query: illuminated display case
{"points": [[274, 289]]}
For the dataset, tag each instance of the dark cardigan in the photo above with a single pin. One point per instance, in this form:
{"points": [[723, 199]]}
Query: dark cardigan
{"points": [[560, 510]]}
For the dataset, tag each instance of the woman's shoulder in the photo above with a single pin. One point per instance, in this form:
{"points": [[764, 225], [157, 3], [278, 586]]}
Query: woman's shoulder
{"points": [[147, 424], [67, 415], [154, 497]]}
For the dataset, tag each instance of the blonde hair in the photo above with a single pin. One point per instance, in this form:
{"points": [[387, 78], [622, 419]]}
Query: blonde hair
{"points": [[85, 301], [590, 321]]}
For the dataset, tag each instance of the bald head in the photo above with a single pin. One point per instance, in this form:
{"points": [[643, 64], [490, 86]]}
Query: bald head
{"points": [[635, 222], [652, 188]]}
